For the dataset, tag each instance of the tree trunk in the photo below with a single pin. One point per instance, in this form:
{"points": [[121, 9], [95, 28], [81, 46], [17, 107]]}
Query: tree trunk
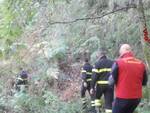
{"points": [[145, 44]]}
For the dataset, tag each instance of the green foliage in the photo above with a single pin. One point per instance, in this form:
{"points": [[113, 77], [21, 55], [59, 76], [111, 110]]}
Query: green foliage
{"points": [[25, 26], [48, 103], [145, 103], [91, 44], [1, 54], [15, 16], [57, 49], [8, 27]]}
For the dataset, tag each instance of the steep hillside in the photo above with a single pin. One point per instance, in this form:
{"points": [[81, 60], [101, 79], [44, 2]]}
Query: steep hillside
{"points": [[50, 39]]}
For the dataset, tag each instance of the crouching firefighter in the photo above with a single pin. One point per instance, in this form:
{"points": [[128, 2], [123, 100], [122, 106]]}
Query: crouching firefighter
{"points": [[86, 83], [22, 80], [101, 73]]}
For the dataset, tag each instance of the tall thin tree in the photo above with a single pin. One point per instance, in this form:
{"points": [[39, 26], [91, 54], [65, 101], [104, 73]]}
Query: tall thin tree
{"points": [[144, 33]]}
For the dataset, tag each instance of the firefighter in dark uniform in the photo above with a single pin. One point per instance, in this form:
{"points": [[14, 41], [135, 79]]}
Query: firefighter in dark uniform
{"points": [[22, 79], [101, 73], [86, 74]]}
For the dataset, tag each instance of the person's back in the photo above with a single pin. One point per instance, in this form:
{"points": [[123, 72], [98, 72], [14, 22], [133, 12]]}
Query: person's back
{"points": [[130, 77], [22, 80], [86, 74], [101, 73], [104, 67], [87, 68], [128, 74]]}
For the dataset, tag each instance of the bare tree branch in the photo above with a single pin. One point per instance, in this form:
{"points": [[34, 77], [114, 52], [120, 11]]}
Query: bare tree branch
{"points": [[90, 18]]}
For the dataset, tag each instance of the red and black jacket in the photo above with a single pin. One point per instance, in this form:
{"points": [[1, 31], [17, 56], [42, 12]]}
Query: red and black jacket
{"points": [[129, 74]]}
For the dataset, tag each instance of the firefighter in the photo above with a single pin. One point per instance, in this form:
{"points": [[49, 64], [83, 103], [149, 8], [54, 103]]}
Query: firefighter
{"points": [[101, 73], [128, 74], [22, 79], [86, 74]]}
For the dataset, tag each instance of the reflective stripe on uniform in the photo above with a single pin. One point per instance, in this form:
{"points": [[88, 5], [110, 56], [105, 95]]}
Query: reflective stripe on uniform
{"points": [[84, 103], [108, 111], [95, 70], [102, 82], [88, 79], [21, 79], [97, 102], [83, 71], [88, 73], [92, 103], [101, 70], [83, 100], [22, 85]]}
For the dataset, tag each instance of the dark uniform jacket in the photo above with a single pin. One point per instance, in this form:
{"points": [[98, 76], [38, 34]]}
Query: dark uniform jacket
{"points": [[101, 71], [22, 79], [86, 72]]}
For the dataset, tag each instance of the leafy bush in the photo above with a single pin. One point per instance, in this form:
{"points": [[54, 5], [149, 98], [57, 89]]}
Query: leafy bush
{"points": [[48, 103]]}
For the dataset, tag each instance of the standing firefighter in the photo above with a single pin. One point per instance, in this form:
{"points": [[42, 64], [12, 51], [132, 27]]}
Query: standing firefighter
{"points": [[22, 80], [86, 80], [101, 73]]}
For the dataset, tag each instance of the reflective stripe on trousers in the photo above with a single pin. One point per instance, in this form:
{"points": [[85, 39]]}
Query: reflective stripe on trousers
{"points": [[88, 79], [108, 110], [97, 102], [92, 103], [84, 103]]}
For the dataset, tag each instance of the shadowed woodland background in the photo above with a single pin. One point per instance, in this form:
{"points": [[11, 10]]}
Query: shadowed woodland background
{"points": [[50, 38]]}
